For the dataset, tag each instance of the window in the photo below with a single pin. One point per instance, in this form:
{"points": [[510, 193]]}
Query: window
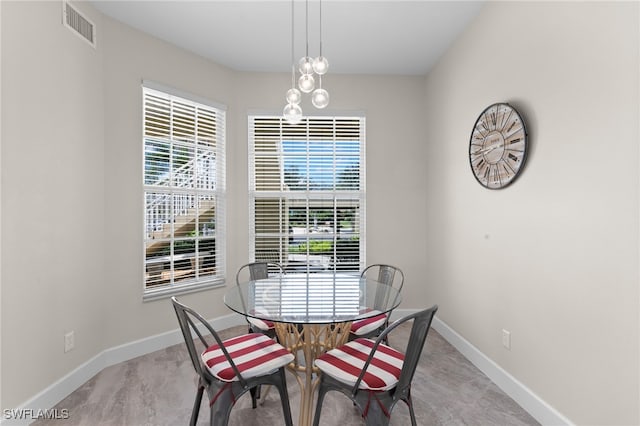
{"points": [[184, 192], [306, 191]]}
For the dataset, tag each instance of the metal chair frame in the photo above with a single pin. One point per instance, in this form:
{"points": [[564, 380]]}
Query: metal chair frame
{"points": [[258, 271], [376, 406], [222, 395], [386, 275]]}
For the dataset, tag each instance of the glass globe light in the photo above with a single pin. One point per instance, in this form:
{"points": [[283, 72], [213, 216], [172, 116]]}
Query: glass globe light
{"points": [[294, 96], [320, 98], [305, 65], [320, 65], [306, 83], [292, 113]]}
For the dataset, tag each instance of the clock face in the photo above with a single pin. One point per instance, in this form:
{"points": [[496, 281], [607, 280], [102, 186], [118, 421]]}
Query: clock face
{"points": [[498, 146]]}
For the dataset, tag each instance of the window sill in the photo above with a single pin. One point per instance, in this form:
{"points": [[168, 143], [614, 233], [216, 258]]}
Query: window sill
{"points": [[165, 292]]}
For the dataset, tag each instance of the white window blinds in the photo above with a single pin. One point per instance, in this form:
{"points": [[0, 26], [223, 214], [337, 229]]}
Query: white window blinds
{"points": [[307, 192], [184, 192]]}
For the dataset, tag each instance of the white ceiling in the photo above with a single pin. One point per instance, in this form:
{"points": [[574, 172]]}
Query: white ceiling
{"points": [[364, 37]]}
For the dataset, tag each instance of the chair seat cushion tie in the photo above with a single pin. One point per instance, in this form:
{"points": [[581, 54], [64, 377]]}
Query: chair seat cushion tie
{"points": [[345, 364], [361, 327], [226, 387], [264, 325], [384, 410], [254, 354]]}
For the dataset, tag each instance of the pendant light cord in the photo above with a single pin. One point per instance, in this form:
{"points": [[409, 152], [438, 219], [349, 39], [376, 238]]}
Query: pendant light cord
{"points": [[320, 2], [307, 26], [293, 67]]}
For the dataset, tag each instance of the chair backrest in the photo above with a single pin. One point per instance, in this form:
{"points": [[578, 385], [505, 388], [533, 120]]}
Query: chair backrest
{"points": [[415, 345], [191, 324], [386, 274], [258, 270]]}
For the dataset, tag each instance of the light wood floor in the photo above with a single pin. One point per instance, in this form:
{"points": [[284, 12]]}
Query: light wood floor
{"points": [[158, 389]]}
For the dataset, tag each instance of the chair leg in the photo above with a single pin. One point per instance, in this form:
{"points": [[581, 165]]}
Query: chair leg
{"points": [[284, 398], [376, 415], [409, 403], [321, 393], [224, 401], [255, 394], [377, 420], [258, 391], [196, 406]]}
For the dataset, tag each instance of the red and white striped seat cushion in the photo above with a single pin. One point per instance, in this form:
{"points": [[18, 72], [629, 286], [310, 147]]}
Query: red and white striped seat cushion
{"points": [[345, 364], [255, 354], [263, 325], [362, 327]]}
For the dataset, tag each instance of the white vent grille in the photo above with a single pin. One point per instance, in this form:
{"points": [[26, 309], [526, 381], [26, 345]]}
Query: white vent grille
{"points": [[78, 23]]}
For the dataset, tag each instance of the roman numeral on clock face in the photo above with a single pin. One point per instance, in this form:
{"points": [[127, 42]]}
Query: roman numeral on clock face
{"points": [[508, 171]]}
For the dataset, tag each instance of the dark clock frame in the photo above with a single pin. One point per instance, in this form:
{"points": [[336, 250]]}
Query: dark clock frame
{"points": [[509, 157]]}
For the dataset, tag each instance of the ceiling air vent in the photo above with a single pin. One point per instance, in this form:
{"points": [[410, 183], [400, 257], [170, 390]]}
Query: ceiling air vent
{"points": [[78, 23]]}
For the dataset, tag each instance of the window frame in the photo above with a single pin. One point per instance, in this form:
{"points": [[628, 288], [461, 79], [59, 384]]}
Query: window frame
{"points": [[205, 149], [339, 197]]}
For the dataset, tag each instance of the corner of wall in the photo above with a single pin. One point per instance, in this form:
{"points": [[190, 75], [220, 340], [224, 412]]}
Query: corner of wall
{"points": [[1, 310]]}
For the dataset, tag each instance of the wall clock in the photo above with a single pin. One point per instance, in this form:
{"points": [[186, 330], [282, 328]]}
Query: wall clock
{"points": [[498, 146]]}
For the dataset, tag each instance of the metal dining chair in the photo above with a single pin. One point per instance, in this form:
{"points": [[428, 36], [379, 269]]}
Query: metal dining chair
{"points": [[229, 368], [373, 375], [373, 325], [256, 271], [251, 272]]}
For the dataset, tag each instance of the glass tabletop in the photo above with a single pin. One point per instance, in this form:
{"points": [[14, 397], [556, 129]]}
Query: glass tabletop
{"points": [[318, 298]]}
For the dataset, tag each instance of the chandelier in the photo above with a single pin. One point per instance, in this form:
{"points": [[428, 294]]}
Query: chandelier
{"points": [[307, 67]]}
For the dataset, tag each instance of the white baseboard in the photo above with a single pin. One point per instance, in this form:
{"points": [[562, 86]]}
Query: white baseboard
{"points": [[49, 397], [59, 390], [529, 401]]}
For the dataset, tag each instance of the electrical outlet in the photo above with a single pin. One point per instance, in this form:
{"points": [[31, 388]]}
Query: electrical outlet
{"points": [[506, 339], [69, 341]]}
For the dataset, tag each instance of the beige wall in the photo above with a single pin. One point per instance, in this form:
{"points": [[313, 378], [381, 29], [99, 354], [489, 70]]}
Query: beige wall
{"points": [[131, 57], [52, 199], [554, 257]]}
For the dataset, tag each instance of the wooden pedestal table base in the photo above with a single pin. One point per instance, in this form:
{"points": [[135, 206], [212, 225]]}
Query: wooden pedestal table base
{"points": [[311, 341]]}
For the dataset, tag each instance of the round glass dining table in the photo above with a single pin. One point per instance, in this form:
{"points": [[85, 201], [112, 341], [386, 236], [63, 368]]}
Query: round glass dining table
{"points": [[312, 313]]}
